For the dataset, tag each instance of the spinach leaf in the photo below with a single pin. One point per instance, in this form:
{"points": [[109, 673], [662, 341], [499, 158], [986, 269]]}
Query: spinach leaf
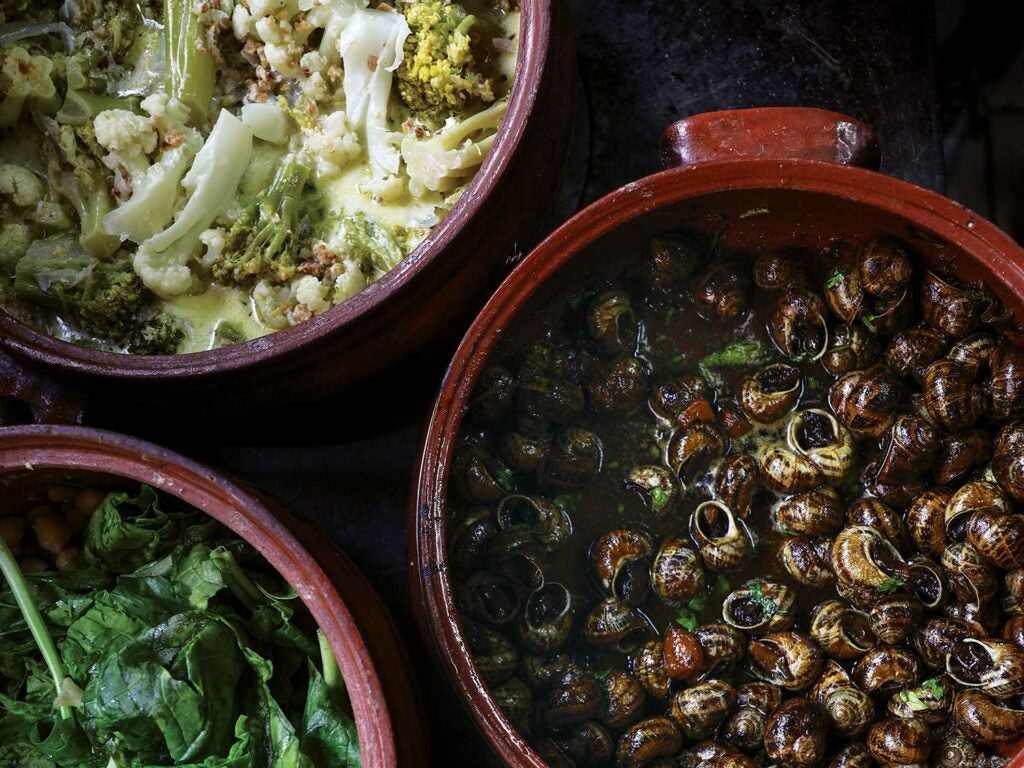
{"points": [[125, 532], [329, 734], [177, 679]]}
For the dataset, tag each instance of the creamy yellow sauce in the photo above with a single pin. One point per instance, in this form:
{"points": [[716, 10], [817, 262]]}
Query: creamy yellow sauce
{"points": [[204, 312]]}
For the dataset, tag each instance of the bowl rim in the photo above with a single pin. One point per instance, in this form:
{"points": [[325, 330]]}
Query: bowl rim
{"points": [[24, 340], [80, 449], [437, 615]]}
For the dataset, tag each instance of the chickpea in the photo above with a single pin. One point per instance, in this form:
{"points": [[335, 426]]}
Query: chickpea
{"points": [[33, 565], [41, 509], [12, 530], [66, 557], [58, 494], [52, 531], [87, 499]]}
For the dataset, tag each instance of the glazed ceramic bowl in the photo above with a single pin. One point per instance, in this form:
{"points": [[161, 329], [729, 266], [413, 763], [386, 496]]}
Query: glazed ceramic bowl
{"points": [[437, 288], [377, 675], [759, 179]]}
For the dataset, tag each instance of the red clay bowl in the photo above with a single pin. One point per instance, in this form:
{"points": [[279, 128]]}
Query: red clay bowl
{"points": [[767, 178], [437, 288], [381, 687]]}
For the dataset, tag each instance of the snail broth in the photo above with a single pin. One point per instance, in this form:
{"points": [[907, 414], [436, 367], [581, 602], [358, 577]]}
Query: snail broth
{"points": [[675, 334]]}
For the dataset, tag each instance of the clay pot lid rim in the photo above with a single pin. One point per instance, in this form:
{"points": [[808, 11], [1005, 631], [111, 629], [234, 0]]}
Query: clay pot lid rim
{"points": [[82, 449], [532, 57], [936, 214]]}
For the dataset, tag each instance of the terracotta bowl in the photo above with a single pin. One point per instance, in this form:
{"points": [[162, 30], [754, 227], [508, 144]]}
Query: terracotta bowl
{"points": [[380, 684], [762, 179], [437, 288]]}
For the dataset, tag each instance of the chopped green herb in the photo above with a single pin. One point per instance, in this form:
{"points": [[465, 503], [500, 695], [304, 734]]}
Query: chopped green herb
{"points": [[567, 502], [603, 674], [890, 585], [698, 603], [613, 465], [669, 315], [686, 620], [768, 606], [813, 384], [869, 321], [742, 352], [938, 690], [659, 498], [621, 508], [801, 357], [912, 700], [835, 279], [990, 476], [787, 530], [722, 586], [505, 478]]}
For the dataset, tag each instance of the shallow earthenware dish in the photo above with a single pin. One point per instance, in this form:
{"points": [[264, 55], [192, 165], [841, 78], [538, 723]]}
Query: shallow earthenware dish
{"points": [[761, 179], [433, 291], [377, 674]]}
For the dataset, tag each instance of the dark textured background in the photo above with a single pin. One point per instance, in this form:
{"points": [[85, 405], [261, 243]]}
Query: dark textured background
{"points": [[643, 63]]}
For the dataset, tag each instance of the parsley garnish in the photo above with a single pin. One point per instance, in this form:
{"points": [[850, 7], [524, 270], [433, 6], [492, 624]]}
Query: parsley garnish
{"points": [[698, 603], [621, 508], [567, 502], [603, 674], [890, 585], [768, 606], [938, 690], [505, 477], [686, 620], [787, 530], [912, 700], [835, 279], [869, 321], [659, 498]]}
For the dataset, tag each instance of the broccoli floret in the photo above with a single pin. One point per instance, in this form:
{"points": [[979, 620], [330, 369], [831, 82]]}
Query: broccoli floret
{"points": [[440, 73], [76, 174], [262, 243], [368, 241], [444, 161], [101, 297], [161, 334]]}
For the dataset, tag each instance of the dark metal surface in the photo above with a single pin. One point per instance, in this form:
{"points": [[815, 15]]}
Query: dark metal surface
{"points": [[348, 463]]}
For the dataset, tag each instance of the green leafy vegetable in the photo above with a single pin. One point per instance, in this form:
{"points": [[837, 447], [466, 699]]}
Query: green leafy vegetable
{"points": [[742, 352], [686, 620], [933, 685], [913, 700], [768, 606], [659, 498], [890, 585], [835, 279]]}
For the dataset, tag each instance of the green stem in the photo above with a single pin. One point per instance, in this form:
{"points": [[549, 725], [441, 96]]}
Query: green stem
{"points": [[332, 672], [191, 70], [34, 620]]}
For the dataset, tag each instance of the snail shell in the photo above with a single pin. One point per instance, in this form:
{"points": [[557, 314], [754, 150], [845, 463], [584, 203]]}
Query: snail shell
{"points": [[852, 756], [985, 721], [754, 702], [972, 579], [723, 647], [612, 323], [737, 481], [952, 395], [721, 537], [958, 454], [900, 741], [546, 620], [994, 667], [886, 668], [937, 637], [648, 665], [1007, 365], [620, 560], [910, 450], [692, 448], [808, 560], [926, 521], [676, 573], [647, 740], [795, 734], [873, 513], [514, 698], [863, 558], [849, 710], [923, 703], [850, 348], [791, 660], [970, 498], [812, 513], [953, 308], [911, 351], [613, 623], [700, 709], [760, 606], [623, 700], [816, 435], [866, 401], [575, 697], [999, 538], [842, 632], [894, 617], [1008, 459], [771, 393]]}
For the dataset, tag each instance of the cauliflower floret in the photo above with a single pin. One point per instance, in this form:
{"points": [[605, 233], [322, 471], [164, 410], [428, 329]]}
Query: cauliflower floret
{"points": [[214, 240], [261, 8], [311, 293], [241, 22], [332, 145], [24, 77], [312, 65], [126, 136], [350, 282], [15, 238], [271, 303], [384, 189], [283, 48], [20, 185]]}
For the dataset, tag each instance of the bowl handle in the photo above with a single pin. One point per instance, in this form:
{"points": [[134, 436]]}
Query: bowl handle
{"points": [[27, 395], [779, 133]]}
